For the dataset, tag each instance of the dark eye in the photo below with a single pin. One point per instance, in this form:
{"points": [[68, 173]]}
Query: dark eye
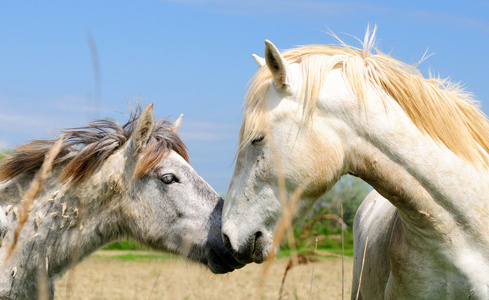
{"points": [[169, 178], [258, 138]]}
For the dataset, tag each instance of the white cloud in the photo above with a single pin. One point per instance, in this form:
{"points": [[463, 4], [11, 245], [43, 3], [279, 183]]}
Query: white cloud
{"points": [[25, 119], [19, 125], [208, 131], [260, 7]]}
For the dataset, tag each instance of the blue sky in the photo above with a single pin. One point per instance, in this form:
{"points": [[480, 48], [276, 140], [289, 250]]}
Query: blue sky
{"points": [[193, 57]]}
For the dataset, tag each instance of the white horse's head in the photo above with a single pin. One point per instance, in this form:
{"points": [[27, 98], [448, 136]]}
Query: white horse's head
{"points": [[281, 153]]}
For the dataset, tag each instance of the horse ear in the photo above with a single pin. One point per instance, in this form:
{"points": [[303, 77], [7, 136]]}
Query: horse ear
{"points": [[144, 128], [276, 63], [260, 61], [176, 125]]}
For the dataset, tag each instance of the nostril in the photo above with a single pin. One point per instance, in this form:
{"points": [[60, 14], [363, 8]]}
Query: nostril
{"points": [[258, 235], [255, 242], [227, 243]]}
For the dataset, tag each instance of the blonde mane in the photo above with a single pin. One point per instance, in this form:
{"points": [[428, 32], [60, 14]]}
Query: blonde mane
{"points": [[439, 108]]}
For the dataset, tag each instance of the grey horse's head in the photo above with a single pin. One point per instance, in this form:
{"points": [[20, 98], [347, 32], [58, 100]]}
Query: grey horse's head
{"points": [[168, 206], [174, 209]]}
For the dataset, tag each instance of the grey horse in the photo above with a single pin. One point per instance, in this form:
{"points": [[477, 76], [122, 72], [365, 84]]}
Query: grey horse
{"points": [[108, 181]]}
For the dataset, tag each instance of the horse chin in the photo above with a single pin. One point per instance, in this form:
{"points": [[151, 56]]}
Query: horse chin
{"points": [[220, 261], [258, 259]]}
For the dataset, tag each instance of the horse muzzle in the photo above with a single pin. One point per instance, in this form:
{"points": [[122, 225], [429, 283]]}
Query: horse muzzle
{"points": [[255, 247]]}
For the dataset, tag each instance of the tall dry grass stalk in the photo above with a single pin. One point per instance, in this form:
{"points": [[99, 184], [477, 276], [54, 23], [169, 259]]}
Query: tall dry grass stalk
{"points": [[342, 254], [96, 72], [154, 286], [283, 225], [287, 213], [299, 259], [307, 229], [289, 205], [311, 256], [34, 189], [361, 269], [312, 272]]}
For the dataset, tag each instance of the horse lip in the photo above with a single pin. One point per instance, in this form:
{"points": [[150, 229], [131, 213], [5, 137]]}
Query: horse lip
{"points": [[258, 256], [249, 257], [232, 262], [221, 261], [243, 259], [259, 259]]}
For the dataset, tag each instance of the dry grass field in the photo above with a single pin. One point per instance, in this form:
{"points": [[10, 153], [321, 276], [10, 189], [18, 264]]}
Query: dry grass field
{"points": [[142, 275]]}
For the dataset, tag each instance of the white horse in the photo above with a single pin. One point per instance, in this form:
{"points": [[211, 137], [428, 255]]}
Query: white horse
{"points": [[316, 113], [108, 182]]}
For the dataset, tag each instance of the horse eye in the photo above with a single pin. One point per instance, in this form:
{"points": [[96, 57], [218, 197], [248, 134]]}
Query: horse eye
{"points": [[169, 178], [258, 138]]}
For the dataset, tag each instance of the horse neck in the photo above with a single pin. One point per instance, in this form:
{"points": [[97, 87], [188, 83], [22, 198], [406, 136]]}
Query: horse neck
{"points": [[65, 225], [424, 180]]}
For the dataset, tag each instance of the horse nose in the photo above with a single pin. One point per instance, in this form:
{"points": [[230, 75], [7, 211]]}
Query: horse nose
{"points": [[241, 254], [248, 251]]}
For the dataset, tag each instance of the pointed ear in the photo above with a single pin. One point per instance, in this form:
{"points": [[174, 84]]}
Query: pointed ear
{"points": [[276, 63], [176, 125], [260, 61], [144, 128]]}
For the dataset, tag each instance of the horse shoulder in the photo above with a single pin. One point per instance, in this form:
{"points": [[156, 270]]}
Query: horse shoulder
{"points": [[374, 220]]}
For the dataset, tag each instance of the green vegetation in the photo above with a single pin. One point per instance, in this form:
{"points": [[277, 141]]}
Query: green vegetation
{"points": [[3, 153], [135, 256], [124, 245], [325, 221]]}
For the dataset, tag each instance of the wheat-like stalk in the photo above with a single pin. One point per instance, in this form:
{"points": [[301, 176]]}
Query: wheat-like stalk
{"points": [[34, 189], [312, 272], [342, 255], [306, 232], [299, 259], [361, 269], [154, 286]]}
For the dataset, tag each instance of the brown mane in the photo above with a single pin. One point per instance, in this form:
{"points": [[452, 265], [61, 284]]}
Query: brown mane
{"points": [[85, 148]]}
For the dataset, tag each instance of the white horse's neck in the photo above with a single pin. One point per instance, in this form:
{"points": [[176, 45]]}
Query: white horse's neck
{"points": [[62, 229], [388, 151], [416, 174], [443, 201]]}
